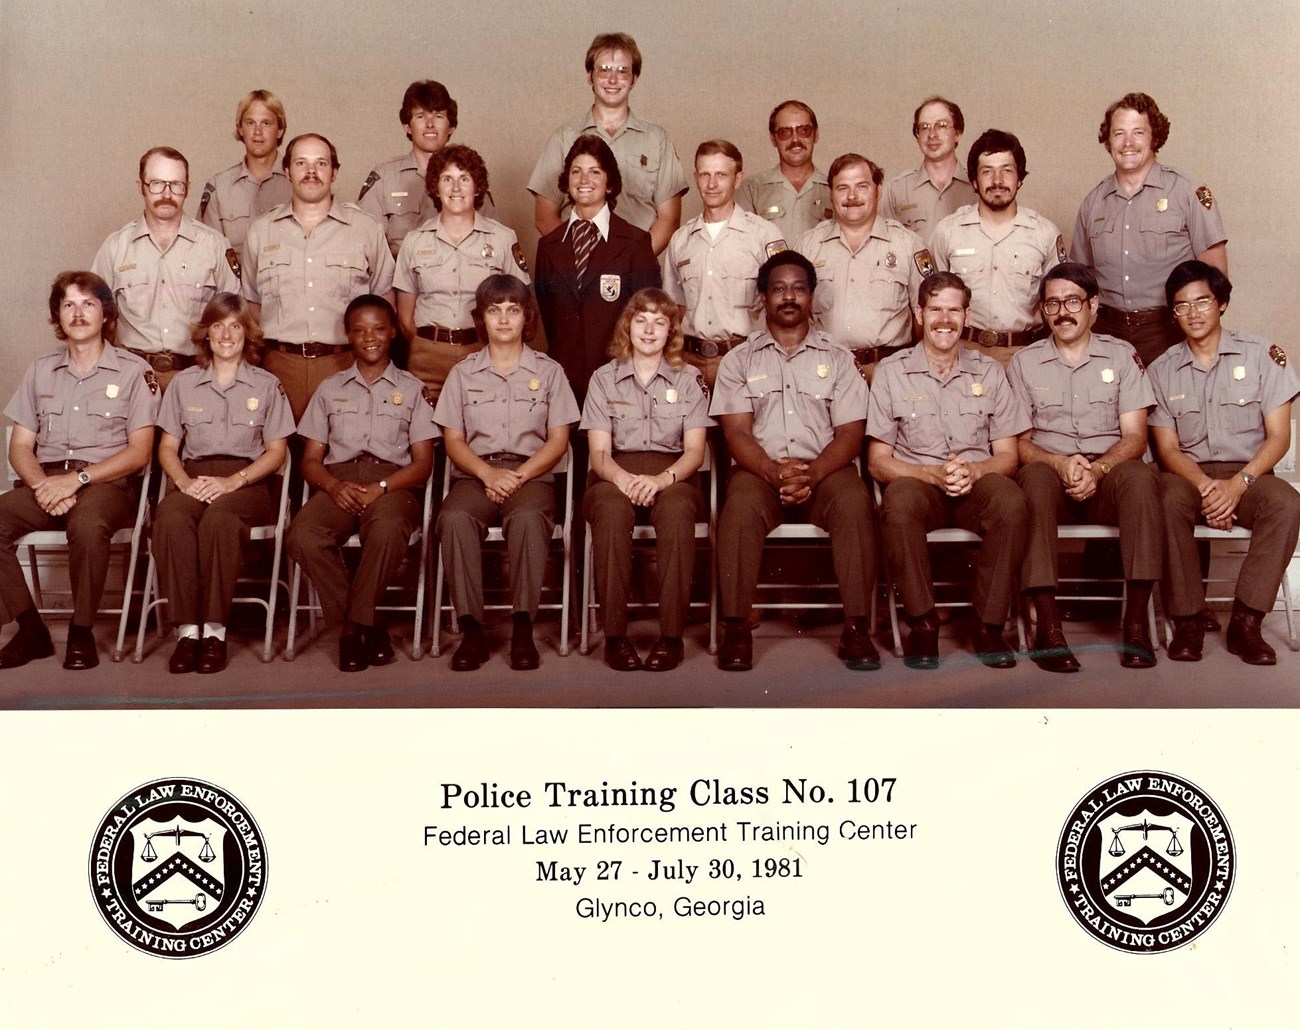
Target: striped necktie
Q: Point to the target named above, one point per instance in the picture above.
(585, 238)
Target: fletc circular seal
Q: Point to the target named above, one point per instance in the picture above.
(178, 867)
(1146, 862)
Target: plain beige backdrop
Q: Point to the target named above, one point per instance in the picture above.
(88, 85)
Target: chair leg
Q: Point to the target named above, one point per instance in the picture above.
(295, 586)
(588, 609)
(417, 640)
(892, 600)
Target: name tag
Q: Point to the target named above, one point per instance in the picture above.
(1178, 397)
(909, 207)
(127, 268)
(683, 264)
(963, 252)
(755, 379)
(267, 248)
(403, 193)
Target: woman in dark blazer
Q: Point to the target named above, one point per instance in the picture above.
(579, 313)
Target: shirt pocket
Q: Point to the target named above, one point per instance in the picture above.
(640, 175)
(666, 429)
(484, 412)
(135, 290)
(273, 269)
(627, 429)
(1050, 412)
(348, 275)
(887, 288)
(1163, 235)
(1189, 420)
(392, 425)
(245, 429)
(920, 427)
(969, 266)
(345, 421)
(973, 424)
(824, 295)
(813, 404)
(50, 424)
(1242, 411)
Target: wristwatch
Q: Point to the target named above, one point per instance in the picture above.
(83, 478)
(1105, 467)
(383, 485)
(1247, 478)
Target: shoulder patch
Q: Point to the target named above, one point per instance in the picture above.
(704, 387)
(1277, 354)
(1206, 198)
(371, 179)
(1060, 248)
(775, 247)
(232, 259)
(280, 386)
(428, 395)
(517, 252)
(1138, 361)
(151, 381)
(924, 263)
(208, 190)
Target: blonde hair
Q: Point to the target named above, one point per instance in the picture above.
(655, 300)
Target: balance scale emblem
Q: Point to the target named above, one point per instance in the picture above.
(177, 869)
(1145, 868)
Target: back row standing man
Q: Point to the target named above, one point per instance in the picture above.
(922, 197)
(795, 194)
(653, 180)
(255, 185)
(1139, 224)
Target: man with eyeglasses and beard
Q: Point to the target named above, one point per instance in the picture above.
(1081, 460)
(164, 267)
(921, 198)
(795, 194)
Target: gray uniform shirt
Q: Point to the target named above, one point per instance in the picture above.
(649, 417)
(233, 198)
(237, 420)
(769, 195)
(911, 198)
(353, 417)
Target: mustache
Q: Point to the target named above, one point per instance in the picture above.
(1066, 320)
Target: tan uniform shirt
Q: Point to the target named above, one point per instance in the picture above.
(160, 294)
(353, 417)
(1003, 275)
(84, 419)
(444, 275)
(233, 199)
(236, 421)
(394, 196)
(649, 417)
(506, 414)
(769, 195)
(1219, 412)
(865, 299)
(925, 418)
(797, 400)
(646, 160)
(911, 198)
(1135, 242)
(1076, 408)
(304, 283)
(717, 279)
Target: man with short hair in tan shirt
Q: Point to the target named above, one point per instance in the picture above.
(794, 195)
(921, 198)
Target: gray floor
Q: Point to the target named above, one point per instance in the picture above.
(793, 668)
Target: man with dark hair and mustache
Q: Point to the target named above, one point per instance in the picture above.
(1000, 249)
(164, 267)
(1082, 460)
(793, 409)
(795, 194)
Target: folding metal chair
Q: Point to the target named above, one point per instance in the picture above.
(561, 533)
(419, 540)
(273, 531)
(703, 531)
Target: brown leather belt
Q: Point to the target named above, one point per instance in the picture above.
(366, 458)
(50, 467)
(441, 334)
(866, 355)
(1134, 318)
(989, 338)
(308, 350)
(505, 456)
(164, 361)
(712, 348)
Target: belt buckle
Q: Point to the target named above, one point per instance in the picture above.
(709, 349)
(161, 362)
(988, 338)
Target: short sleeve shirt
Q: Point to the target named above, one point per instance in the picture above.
(506, 414)
(796, 399)
(160, 294)
(865, 299)
(653, 416)
(86, 419)
(1135, 242)
(1219, 412)
(394, 196)
(769, 195)
(717, 279)
(911, 198)
(353, 417)
(924, 418)
(1076, 408)
(304, 283)
(444, 275)
(233, 198)
(651, 172)
(1003, 275)
(237, 420)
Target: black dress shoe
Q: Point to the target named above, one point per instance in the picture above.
(186, 656)
(620, 655)
(379, 645)
(1208, 621)
(523, 652)
(857, 652)
(1051, 653)
(212, 655)
(1244, 638)
(1188, 640)
(82, 652)
(473, 649)
(737, 651)
(665, 655)
(352, 652)
(992, 649)
(921, 649)
(26, 646)
(1138, 652)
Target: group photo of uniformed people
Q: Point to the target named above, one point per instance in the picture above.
(872, 361)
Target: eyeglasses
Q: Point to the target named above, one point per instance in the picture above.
(1201, 304)
(940, 128)
(613, 71)
(1073, 305)
(158, 186)
(785, 133)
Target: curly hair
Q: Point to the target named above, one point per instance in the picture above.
(1142, 104)
(658, 302)
(464, 158)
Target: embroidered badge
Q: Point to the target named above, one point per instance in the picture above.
(151, 380)
(924, 263)
(397, 398)
(251, 404)
(611, 286)
(1162, 204)
(704, 387)
(1107, 375)
(1277, 354)
(517, 252)
(207, 199)
(232, 259)
(112, 390)
(644, 161)
(1060, 249)
(1239, 372)
(371, 179)
(1206, 198)
(670, 395)
(775, 247)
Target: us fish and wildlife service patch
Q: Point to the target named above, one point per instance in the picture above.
(924, 263)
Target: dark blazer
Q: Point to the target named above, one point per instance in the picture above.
(580, 323)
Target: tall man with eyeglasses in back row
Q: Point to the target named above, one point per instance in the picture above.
(795, 195)
(924, 196)
(164, 267)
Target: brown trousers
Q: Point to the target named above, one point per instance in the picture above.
(300, 376)
(431, 362)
